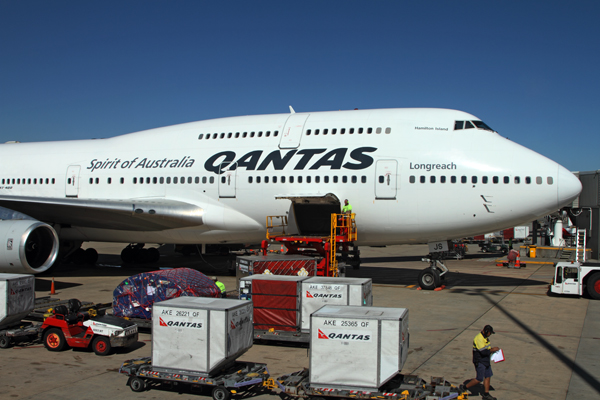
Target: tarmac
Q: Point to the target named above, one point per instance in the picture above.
(550, 343)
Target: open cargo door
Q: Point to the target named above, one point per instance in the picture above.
(312, 212)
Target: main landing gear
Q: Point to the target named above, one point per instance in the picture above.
(433, 276)
(136, 253)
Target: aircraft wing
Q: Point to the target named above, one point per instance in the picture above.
(153, 214)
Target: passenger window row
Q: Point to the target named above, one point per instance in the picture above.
(307, 179)
(484, 179)
(159, 180)
(28, 181)
(236, 135)
(343, 131)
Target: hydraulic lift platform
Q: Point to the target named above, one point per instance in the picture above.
(342, 235)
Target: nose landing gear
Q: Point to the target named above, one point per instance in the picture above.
(433, 276)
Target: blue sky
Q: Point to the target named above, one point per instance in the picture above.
(92, 69)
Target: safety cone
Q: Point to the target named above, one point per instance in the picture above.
(518, 262)
(52, 291)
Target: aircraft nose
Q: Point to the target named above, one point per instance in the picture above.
(569, 187)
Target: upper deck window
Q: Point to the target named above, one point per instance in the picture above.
(458, 125)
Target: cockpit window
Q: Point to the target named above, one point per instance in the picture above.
(458, 125)
(482, 125)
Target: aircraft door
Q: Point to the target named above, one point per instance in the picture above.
(227, 180)
(72, 181)
(386, 177)
(291, 133)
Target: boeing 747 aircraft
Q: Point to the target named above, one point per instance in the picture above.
(412, 176)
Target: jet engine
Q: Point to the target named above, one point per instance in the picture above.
(27, 246)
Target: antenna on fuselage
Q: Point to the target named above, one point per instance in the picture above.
(292, 110)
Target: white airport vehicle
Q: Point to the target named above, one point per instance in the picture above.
(416, 175)
(574, 277)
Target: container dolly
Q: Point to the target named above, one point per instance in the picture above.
(400, 387)
(235, 378)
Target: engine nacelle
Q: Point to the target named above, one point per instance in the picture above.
(27, 246)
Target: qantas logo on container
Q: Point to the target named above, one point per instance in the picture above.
(357, 337)
(240, 323)
(314, 295)
(14, 292)
(181, 324)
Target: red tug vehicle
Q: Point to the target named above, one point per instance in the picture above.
(67, 327)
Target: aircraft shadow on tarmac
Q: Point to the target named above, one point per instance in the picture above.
(560, 356)
(387, 259)
(111, 265)
(408, 276)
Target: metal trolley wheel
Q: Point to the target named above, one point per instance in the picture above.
(5, 342)
(137, 384)
(220, 393)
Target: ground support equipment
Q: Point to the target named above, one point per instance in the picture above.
(343, 234)
(401, 387)
(21, 332)
(283, 336)
(488, 247)
(68, 327)
(27, 332)
(43, 304)
(239, 377)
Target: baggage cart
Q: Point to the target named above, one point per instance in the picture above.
(235, 378)
(401, 387)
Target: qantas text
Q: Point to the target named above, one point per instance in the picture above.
(349, 336)
(254, 160)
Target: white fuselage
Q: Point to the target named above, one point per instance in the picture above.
(391, 168)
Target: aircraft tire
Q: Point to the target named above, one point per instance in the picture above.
(593, 286)
(429, 279)
(78, 256)
(91, 256)
(128, 255)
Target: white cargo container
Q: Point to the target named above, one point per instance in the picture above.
(354, 347)
(17, 297)
(521, 232)
(200, 334)
(321, 290)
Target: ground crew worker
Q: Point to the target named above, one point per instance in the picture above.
(347, 209)
(220, 285)
(481, 359)
(343, 221)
